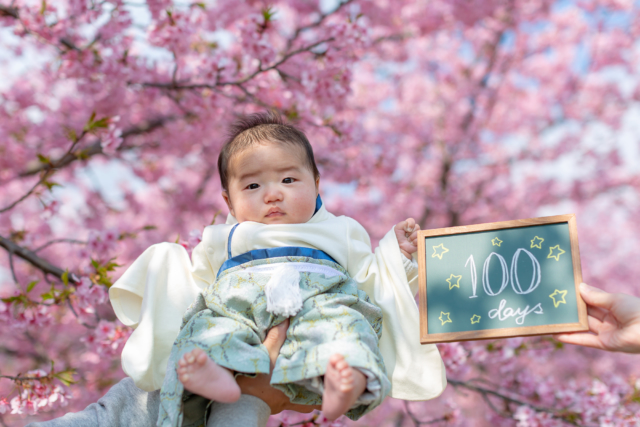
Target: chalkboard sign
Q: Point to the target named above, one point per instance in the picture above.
(503, 279)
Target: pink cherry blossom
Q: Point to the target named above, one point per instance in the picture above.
(112, 116)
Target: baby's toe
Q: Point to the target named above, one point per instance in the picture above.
(342, 365)
(201, 357)
(335, 358)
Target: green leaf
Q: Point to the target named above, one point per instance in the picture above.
(110, 266)
(71, 135)
(11, 299)
(47, 295)
(31, 285)
(43, 7)
(65, 277)
(292, 113)
(170, 15)
(93, 123)
(50, 184)
(82, 154)
(177, 239)
(102, 123)
(66, 376)
(44, 159)
(268, 13)
(201, 5)
(149, 227)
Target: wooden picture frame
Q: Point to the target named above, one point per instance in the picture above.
(581, 325)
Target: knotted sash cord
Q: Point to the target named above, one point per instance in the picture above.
(283, 288)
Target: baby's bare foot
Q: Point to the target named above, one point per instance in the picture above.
(201, 375)
(342, 387)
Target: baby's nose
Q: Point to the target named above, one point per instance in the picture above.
(273, 194)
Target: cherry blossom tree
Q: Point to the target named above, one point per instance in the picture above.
(112, 114)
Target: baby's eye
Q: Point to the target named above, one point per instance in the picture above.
(252, 186)
(288, 180)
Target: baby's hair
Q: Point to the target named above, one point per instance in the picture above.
(256, 128)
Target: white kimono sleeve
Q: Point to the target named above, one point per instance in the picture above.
(151, 296)
(416, 371)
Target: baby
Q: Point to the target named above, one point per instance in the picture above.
(276, 182)
(281, 254)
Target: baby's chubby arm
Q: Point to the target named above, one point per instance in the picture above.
(407, 234)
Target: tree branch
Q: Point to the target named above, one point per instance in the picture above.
(51, 242)
(33, 259)
(485, 392)
(238, 83)
(44, 177)
(8, 11)
(317, 23)
(96, 147)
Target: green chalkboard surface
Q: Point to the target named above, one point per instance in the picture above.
(503, 279)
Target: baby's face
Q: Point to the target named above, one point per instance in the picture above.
(271, 184)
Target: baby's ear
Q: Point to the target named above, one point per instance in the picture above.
(227, 199)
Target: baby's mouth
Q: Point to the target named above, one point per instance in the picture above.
(274, 214)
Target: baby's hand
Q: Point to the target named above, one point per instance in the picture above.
(407, 234)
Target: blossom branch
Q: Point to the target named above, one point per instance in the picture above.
(82, 322)
(44, 177)
(13, 12)
(317, 23)
(485, 392)
(51, 242)
(8, 11)
(96, 147)
(33, 259)
(237, 83)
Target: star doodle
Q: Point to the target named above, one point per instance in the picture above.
(475, 319)
(560, 295)
(557, 255)
(536, 242)
(447, 320)
(435, 251)
(457, 282)
(496, 242)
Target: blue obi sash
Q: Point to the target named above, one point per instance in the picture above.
(257, 254)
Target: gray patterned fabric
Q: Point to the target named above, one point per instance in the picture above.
(230, 321)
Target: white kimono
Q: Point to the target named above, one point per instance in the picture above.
(153, 294)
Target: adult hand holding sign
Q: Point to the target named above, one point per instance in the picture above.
(614, 321)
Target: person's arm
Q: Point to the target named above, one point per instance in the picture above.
(123, 405)
(614, 321)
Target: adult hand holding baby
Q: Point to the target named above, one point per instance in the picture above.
(407, 234)
(614, 321)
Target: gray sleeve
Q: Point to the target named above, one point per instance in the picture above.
(248, 411)
(123, 405)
